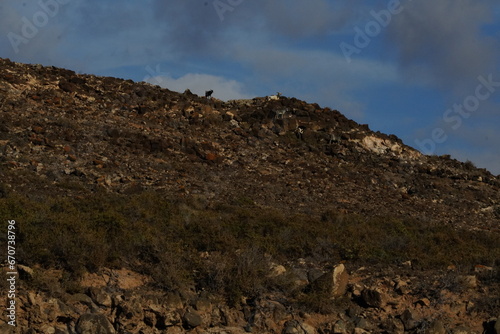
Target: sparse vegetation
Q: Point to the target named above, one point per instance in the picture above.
(164, 238)
(469, 165)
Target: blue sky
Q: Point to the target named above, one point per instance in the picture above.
(413, 60)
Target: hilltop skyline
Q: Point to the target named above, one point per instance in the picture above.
(426, 71)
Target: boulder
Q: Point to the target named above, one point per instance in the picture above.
(54, 330)
(408, 319)
(276, 270)
(25, 272)
(333, 282)
(100, 297)
(82, 303)
(300, 276)
(173, 301)
(297, 327)
(191, 319)
(482, 269)
(91, 323)
(423, 302)
(394, 325)
(364, 324)
(436, 327)
(203, 305)
(402, 288)
(313, 274)
(373, 298)
(462, 330)
(48, 330)
(340, 327)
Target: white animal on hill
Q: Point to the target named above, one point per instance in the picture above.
(274, 97)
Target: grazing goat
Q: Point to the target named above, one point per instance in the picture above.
(332, 137)
(280, 114)
(208, 93)
(299, 131)
(274, 97)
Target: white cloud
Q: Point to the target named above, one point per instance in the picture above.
(224, 89)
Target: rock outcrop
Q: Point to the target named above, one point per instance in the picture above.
(379, 308)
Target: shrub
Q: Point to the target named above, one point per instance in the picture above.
(163, 236)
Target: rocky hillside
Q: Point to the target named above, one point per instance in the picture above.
(63, 129)
(66, 138)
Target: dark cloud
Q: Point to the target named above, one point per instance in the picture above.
(103, 19)
(198, 26)
(128, 30)
(298, 18)
(444, 38)
(189, 27)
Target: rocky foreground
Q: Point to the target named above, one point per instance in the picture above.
(119, 301)
(70, 136)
